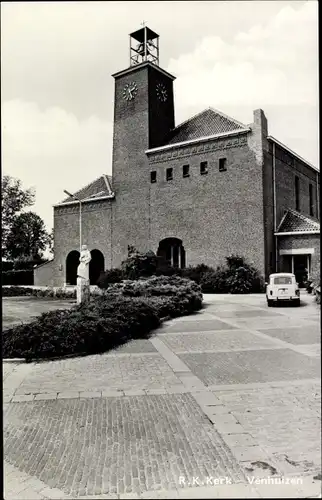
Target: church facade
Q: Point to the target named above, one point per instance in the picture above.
(194, 193)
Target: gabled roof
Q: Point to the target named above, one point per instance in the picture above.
(295, 222)
(102, 186)
(207, 123)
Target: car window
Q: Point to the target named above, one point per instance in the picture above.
(283, 280)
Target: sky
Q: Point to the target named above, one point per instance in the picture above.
(57, 59)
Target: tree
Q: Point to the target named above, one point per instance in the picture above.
(27, 237)
(13, 199)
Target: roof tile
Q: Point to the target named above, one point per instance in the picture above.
(294, 221)
(94, 189)
(208, 122)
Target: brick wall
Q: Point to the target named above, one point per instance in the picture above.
(96, 233)
(44, 274)
(301, 241)
(287, 167)
(215, 214)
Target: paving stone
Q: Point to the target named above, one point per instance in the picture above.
(135, 392)
(279, 321)
(251, 366)
(196, 326)
(247, 313)
(296, 335)
(247, 453)
(137, 434)
(28, 494)
(177, 389)
(52, 493)
(155, 391)
(135, 346)
(68, 394)
(278, 490)
(90, 394)
(221, 341)
(22, 398)
(224, 428)
(220, 491)
(41, 396)
(206, 398)
(239, 440)
(112, 394)
(103, 373)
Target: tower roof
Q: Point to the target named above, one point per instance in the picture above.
(139, 34)
(207, 123)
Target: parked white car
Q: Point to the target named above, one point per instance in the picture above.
(282, 287)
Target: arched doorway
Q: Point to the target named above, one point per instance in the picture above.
(173, 252)
(96, 266)
(72, 262)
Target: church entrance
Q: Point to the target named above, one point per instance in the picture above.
(72, 262)
(96, 266)
(173, 252)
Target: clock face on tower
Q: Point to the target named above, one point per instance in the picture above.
(130, 91)
(161, 92)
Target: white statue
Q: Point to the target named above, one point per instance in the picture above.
(84, 260)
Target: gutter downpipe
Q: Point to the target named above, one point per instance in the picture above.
(274, 197)
(317, 197)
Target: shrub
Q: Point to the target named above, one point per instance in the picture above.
(196, 273)
(6, 265)
(215, 281)
(91, 329)
(59, 293)
(21, 277)
(24, 263)
(139, 264)
(16, 291)
(107, 321)
(113, 275)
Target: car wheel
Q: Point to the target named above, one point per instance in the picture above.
(269, 303)
(297, 302)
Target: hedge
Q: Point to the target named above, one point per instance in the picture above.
(20, 291)
(108, 320)
(237, 276)
(20, 277)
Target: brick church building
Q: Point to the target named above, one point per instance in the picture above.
(195, 192)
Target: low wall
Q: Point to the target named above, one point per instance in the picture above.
(43, 274)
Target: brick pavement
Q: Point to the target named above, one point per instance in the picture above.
(209, 396)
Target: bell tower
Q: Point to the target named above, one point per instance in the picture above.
(143, 118)
(144, 46)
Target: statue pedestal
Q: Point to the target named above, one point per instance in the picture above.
(83, 291)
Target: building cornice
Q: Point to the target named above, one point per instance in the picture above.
(199, 139)
(137, 67)
(296, 233)
(271, 138)
(86, 200)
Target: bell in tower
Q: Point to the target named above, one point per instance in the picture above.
(144, 46)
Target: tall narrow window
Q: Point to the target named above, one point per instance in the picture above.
(153, 176)
(204, 167)
(222, 164)
(169, 174)
(185, 171)
(311, 200)
(297, 193)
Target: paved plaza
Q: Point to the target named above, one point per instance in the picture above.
(225, 403)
